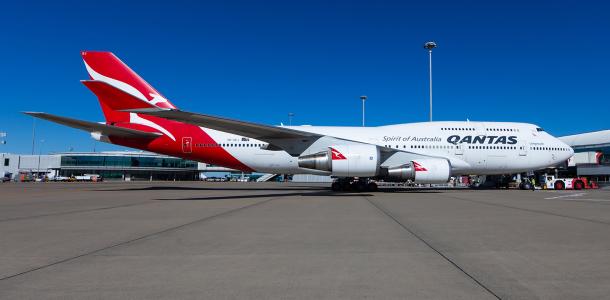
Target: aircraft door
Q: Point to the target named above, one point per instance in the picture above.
(459, 148)
(522, 148)
(187, 144)
(480, 129)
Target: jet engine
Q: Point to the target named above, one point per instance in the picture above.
(344, 160)
(425, 170)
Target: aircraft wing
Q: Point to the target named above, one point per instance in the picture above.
(105, 129)
(254, 130)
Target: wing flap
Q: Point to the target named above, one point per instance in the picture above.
(105, 129)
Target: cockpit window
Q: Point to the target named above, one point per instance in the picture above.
(539, 129)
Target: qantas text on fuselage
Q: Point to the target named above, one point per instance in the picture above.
(456, 139)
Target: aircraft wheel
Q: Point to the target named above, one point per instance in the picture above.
(356, 186)
(559, 185)
(371, 187)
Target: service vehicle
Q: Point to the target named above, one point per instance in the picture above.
(575, 183)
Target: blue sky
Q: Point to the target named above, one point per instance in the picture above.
(540, 62)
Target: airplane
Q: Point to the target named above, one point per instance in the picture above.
(138, 116)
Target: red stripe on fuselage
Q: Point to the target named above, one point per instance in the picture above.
(165, 145)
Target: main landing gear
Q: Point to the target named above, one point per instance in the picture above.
(353, 185)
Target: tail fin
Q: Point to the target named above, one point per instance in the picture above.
(108, 72)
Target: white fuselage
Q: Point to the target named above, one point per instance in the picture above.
(478, 148)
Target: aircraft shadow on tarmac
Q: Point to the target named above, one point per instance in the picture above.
(272, 196)
(291, 191)
(312, 194)
(325, 190)
(186, 188)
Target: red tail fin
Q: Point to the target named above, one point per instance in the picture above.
(107, 68)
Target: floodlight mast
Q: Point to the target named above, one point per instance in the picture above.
(290, 115)
(430, 45)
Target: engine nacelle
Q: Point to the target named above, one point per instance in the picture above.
(344, 160)
(425, 170)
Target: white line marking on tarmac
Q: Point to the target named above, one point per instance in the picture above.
(566, 196)
(575, 197)
(583, 199)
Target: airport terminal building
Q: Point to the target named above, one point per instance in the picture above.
(114, 165)
(592, 154)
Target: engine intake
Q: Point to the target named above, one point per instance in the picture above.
(317, 161)
(402, 172)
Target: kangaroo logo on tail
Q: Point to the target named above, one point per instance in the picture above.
(135, 119)
(104, 66)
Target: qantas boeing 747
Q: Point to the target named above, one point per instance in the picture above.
(138, 116)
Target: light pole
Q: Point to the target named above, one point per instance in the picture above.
(290, 115)
(39, 154)
(430, 46)
(363, 98)
(33, 133)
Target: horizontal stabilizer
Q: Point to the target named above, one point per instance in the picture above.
(108, 130)
(115, 98)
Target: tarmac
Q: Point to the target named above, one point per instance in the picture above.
(197, 240)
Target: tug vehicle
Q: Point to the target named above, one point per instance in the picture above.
(576, 183)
